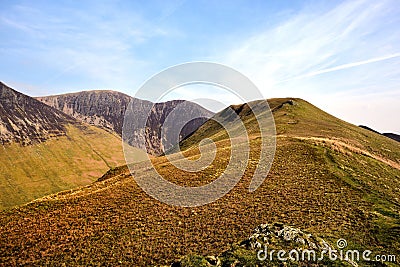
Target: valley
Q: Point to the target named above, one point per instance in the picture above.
(70, 140)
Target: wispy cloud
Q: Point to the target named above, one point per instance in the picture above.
(317, 52)
(343, 67)
(313, 40)
(96, 49)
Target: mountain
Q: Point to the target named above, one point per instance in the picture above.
(51, 147)
(106, 109)
(393, 136)
(47, 151)
(99, 107)
(369, 129)
(25, 120)
(328, 177)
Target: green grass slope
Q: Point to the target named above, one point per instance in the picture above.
(328, 177)
(65, 162)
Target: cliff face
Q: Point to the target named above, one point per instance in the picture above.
(25, 120)
(187, 110)
(106, 109)
(100, 108)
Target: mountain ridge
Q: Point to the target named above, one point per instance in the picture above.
(393, 136)
(26, 120)
(106, 109)
(46, 151)
(50, 148)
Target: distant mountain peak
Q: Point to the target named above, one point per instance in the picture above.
(393, 136)
(106, 109)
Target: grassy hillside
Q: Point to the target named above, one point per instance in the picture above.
(79, 158)
(328, 177)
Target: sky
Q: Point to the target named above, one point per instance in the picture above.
(342, 56)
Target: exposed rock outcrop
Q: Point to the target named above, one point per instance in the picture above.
(26, 120)
(100, 108)
(106, 109)
(262, 247)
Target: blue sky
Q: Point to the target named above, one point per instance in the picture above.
(343, 56)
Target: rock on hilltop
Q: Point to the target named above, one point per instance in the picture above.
(269, 238)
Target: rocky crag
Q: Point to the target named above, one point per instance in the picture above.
(262, 247)
(25, 120)
(106, 109)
